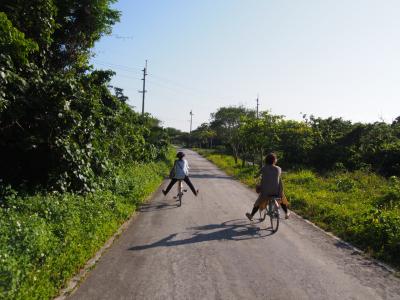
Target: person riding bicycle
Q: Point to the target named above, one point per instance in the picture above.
(271, 185)
(180, 171)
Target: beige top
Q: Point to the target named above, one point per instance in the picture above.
(271, 182)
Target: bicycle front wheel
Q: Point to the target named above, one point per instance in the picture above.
(274, 222)
(179, 199)
(274, 218)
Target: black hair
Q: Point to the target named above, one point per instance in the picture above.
(271, 158)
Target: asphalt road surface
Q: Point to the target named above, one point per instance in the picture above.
(207, 249)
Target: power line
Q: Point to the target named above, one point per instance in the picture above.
(129, 77)
(162, 80)
(122, 37)
(127, 68)
(169, 84)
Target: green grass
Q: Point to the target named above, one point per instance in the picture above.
(46, 238)
(362, 208)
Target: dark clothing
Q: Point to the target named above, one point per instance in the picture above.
(186, 179)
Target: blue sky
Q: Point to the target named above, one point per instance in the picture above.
(328, 58)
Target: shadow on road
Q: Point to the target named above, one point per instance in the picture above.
(233, 230)
(194, 175)
(154, 206)
(203, 170)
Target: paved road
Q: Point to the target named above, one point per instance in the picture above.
(206, 249)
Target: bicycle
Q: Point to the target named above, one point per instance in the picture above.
(181, 190)
(272, 210)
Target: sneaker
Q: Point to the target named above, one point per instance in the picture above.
(197, 193)
(164, 192)
(287, 215)
(249, 216)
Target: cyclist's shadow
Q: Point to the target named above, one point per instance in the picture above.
(233, 230)
(156, 206)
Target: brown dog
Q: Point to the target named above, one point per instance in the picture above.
(262, 204)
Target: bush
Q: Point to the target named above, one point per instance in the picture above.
(345, 184)
(390, 199)
(303, 177)
(47, 237)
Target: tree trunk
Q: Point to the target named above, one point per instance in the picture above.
(261, 158)
(235, 155)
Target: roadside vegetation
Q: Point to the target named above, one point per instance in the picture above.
(360, 207)
(75, 158)
(343, 176)
(46, 237)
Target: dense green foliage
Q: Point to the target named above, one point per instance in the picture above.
(316, 143)
(60, 125)
(360, 207)
(45, 238)
(75, 159)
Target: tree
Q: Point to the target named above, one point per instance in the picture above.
(326, 134)
(60, 125)
(204, 135)
(65, 30)
(295, 142)
(260, 135)
(319, 143)
(225, 122)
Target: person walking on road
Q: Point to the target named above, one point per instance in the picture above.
(271, 186)
(180, 171)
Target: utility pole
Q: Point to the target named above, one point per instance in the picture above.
(191, 120)
(190, 132)
(143, 91)
(257, 106)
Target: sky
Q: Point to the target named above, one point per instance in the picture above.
(338, 58)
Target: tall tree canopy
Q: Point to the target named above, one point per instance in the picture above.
(226, 121)
(60, 126)
(65, 30)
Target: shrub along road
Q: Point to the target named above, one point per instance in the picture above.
(207, 249)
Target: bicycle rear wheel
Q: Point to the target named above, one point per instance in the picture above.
(180, 193)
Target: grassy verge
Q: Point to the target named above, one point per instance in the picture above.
(46, 238)
(362, 208)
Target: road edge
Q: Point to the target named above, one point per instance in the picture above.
(78, 278)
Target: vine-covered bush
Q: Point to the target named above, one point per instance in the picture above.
(61, 128)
